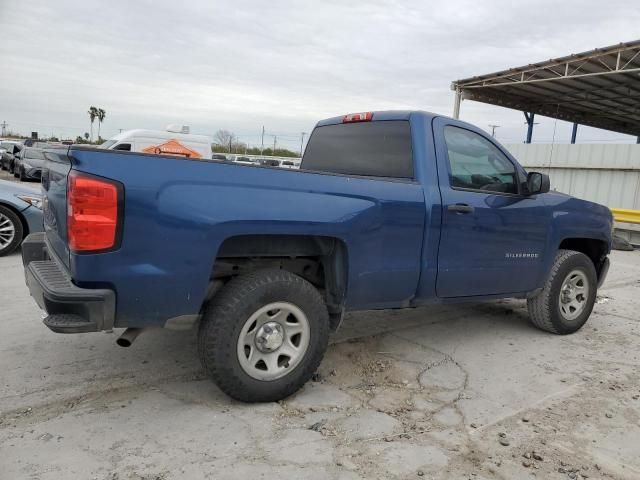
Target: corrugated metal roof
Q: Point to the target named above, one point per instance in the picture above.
(599, 88)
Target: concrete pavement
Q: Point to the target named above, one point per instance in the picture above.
(452, 392)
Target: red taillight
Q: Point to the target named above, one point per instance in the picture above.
(357, 117)
(92, 213)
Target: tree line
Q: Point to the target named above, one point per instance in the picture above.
(225, 141)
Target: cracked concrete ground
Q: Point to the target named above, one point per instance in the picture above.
(452, 392)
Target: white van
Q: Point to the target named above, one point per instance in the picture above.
(176, 140)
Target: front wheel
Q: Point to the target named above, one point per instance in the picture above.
(568, 296)
(264, 335)
(10, 231)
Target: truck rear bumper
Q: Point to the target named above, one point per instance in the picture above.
(70, 309)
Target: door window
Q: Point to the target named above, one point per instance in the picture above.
(477, 164)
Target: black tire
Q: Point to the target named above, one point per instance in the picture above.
(226, 316)
(544, 309)
(10, 215)
(21, 175)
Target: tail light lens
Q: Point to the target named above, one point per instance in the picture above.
(93, 211)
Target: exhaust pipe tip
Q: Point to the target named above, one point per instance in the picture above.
(128, 337)
(124, 342)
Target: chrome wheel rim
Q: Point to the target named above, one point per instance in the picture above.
(273, 341)
(7, 231)
(574, 294)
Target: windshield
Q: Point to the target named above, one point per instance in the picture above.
(107, 144)
(34, 153)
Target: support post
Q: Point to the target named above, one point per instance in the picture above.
(638, 139)
(529, 117)
(456, 104)
(574, 132)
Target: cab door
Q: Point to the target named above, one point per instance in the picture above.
(493, 234)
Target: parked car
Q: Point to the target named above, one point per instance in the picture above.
(11, 148)
(269, 162)
(389, 210)
(288, 164)
(244, 160)
(20, 214)
(29, 163)
(219, 156)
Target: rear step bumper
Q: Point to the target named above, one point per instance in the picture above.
(70, 309)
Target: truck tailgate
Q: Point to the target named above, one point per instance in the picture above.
(54, 186)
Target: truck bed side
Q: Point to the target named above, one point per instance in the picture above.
(178, 212)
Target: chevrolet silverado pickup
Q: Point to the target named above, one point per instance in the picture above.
(392, 209)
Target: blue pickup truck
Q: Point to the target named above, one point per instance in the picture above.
(389, 210)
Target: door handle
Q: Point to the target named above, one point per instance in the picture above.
(461, 208)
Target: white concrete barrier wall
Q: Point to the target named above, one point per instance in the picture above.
(605, 173)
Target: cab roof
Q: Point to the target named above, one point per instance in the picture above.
(380, 115)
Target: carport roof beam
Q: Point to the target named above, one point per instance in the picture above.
(599, 88)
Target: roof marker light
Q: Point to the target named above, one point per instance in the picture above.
(357, 117)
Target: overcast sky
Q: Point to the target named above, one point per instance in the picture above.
(282, 64)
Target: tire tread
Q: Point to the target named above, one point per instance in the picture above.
(540, 306)
(220, 319)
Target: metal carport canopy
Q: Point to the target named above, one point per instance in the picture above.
(599, 88)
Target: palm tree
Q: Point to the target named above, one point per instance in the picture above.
(93, 113)
(86, 135)
(101, 115)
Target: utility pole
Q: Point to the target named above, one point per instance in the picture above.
(275, 140)
(493, 130)
(230, 140)
(262, 144)
(4, 127)
(302, 142)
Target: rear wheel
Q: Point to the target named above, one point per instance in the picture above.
(22, 175)
(264, 335)
(10, 231)
(567, 299)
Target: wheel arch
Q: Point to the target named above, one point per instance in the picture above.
(322, 260)
(593, 248)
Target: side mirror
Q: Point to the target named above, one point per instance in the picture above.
(538, 183)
